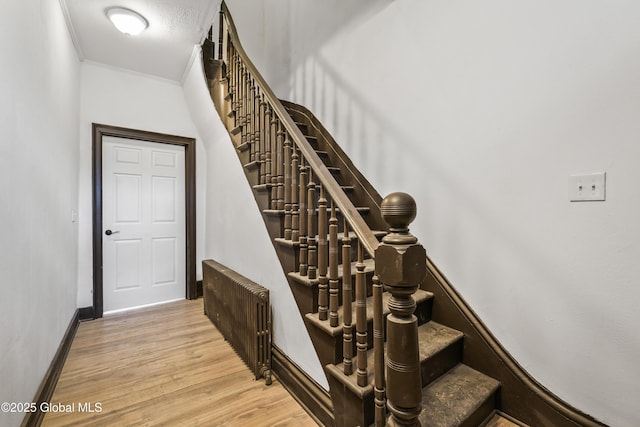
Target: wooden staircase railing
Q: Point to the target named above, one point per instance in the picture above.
(321, 222)
(281, 138)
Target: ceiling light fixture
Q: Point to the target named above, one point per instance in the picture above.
(127, 21)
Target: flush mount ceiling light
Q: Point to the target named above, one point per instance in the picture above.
(127, 21)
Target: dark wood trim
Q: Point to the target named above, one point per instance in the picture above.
(48, 384)
(313, 398)
(199, 291)
(86, 313)
(98, 132)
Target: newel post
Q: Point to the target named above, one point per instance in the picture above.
(401, 267)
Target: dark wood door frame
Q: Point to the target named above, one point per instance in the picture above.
(98, 132)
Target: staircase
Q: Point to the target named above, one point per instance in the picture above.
(360, 279)
(329, 227)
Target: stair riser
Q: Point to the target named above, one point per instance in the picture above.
(477, 418)
(274, 225)
(441, 362)
(330, 348)
(350, 410)
(482, 413)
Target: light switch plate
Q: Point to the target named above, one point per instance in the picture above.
(589, 187)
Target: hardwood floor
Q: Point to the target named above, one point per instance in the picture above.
(164, 365)
(498, 421)
(167, 365)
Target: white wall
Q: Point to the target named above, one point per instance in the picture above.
(482, 111)
(39, 99)
(235, 233)
(267, 45)
(122, 98)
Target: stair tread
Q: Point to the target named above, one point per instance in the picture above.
(419, 296)
(433, 337)
(263, 187)
(252, 165)
(369, 266)
(455, 396)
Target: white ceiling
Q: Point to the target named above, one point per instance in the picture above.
(164, 49)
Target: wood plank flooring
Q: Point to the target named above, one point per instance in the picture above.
(164, 365)
(499, 421)
(167, 365)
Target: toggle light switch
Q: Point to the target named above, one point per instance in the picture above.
(591, 187)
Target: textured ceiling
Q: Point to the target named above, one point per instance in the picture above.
(164, 49)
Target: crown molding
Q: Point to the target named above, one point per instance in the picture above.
(71, 29)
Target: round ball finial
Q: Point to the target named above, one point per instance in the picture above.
(398, 210)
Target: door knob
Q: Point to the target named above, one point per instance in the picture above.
(109, 232)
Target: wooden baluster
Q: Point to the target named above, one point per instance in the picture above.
(323, 288)
(221, 22)
(255, 122)
(249, 120)
(242, 110)
(289, 175)
(232, 75)
(235, 103)
(245, 101)
(361, 319)
(263, 137)
(245, 109)
(238, 91)
(347, 328)
(274, 160)
(231, 61)
(312, 257)
(401, 266)
(378, 355)
(251, 96)
(294, 232)
(259, 115)
(280, 167)
(303, 219)
(267, 144)
(333, 267)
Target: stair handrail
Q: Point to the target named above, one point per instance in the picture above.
(358, 224)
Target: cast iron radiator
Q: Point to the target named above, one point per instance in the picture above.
(240, 309)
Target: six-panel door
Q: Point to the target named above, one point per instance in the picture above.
(143, 217)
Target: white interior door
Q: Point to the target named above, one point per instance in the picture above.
(143, 217)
